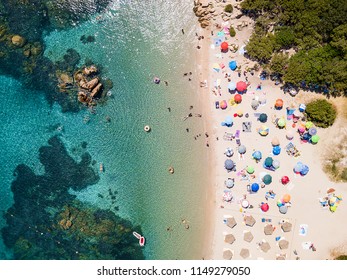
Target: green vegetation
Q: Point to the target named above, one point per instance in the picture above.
(321, 112)
(315, 29)
(279, 63)
(342, 257)
(232, 31)
(228, 8)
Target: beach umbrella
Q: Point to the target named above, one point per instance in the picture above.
(229, 183)
(255, 104)
(244, 203)
(228, 121)
(248, 236)
(227, 196)
(231, 222)
(249, 221)
(262, 100)
(286, 198)
(302, 107)
(227, 254)
(257, 155)
(268, 162)
(255, 187)
(238, 98)
(330, 190)
(229, 152)
(229, 164)
(229, 238)
(290, 134)
(268, 229)
(315, 139)
(275, 141)
(231, 86)
(233, 65)
(281, 122)
(276, 164)
(312, 131)
(244, 253)
(333, 208)
(279, 103)
(240, 113)
(265, 246)
(264, 207)
(297, 114)
(263, 118)
(283, 209)
(285, 180)
(286, 227)
(241, 86)
(224, 46)
(283, 244)
(242, 149)
(217, 41)
(298, 167)
(306, 136)
(304, 170)
(263, 130)
(223, 104)
(250, 169)
(276, 150)
(308, 125)
(301, 129)
(281, 257)
(216, 67)
(267, 179)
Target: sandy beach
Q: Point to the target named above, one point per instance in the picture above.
(315, 232)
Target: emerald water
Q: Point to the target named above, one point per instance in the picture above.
(134, 41)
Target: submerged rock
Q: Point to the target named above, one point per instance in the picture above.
(18, 41)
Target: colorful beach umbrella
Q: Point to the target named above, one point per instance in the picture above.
(285, 180)
(250, 169)
(224, 46)
(315, 139)
(286, 198)
(276, 164)
(233, 65)
(279, 103)
(301, 129)
(216, 67)
(223, 104)
(276, 150)
(255, 187)
(308, 125)
(264, 207)
(267, 179)
(302, 107)
(227, 196)
(242, 149)
(231, 86)
(263, 130)
(241, 86)
(262, 118)
(238, 98)
(312, 131)
(268, 162)
(257, 155)
(281, 122)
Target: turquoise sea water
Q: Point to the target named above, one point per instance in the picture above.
(135, 41)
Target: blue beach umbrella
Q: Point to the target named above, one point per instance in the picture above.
(257, 155)
(304, 170)
(276, 150)
(228, 121)
(232, 65)
(298, 167)
(220, 34)
(255, 187)
(231, 86)
(229, 164)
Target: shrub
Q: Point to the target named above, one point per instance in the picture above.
(321, 112)
(342, 257)
(232, 31)
(228, 8)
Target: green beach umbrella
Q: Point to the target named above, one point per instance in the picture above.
(308, 125)
(281, 122)
(268, 162)
(250, 169)
(315, 139)
(267, 179)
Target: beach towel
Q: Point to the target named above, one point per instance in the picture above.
(237, 134)
(306, 245)
(247, 126)
(303, 229)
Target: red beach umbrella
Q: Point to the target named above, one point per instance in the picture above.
(224, 46)
(285, 180)
(264, 207)
(238, 98)
(241, 86)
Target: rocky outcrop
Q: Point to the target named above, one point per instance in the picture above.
(18, 41)
(205, 11)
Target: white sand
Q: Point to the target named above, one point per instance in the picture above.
(325, 229)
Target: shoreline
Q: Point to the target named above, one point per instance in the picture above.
(307, 189)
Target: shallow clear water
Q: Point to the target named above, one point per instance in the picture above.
(135, 40)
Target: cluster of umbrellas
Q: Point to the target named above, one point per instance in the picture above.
(309, 133)
(271, 164)
(301, 169)
(282, 203)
